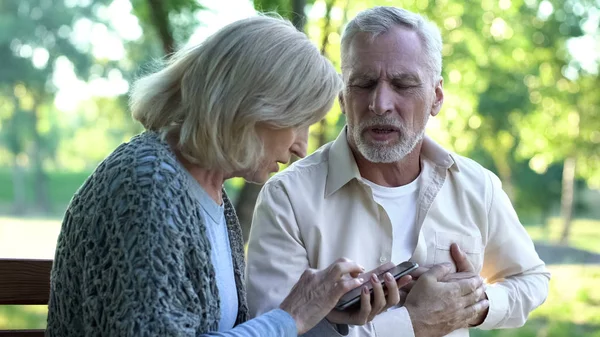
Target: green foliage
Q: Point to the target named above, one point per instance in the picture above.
(178, 16)
(23, 316)
(585, 233)
(61, 187)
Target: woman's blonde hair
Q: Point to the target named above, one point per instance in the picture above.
(212, 96)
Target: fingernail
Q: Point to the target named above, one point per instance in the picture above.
(374, 278)
(361, 267)
(365, 290)
(361, 280)
(388, 277)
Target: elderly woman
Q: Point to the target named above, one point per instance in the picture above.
(150, 244)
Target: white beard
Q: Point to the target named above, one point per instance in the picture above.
(379, 152)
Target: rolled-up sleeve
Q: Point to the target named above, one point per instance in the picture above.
(517, 277)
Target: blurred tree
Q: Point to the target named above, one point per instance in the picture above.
(563, 124)
(34, 36)
(170, 23)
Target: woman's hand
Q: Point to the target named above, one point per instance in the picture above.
(381, 301)
(318, 291)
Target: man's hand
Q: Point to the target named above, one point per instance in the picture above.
(437, 308)
(380, 301)
(464, 269)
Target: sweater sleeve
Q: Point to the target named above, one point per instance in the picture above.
(275, 323)
(137, 279)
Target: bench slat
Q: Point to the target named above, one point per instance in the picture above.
(24, 281)
(22, 333)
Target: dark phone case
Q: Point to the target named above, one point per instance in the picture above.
(398, 271)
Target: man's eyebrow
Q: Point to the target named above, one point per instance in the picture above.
(406, 77)
(361, 76)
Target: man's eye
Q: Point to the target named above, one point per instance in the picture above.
(402, 86)
(363, 85)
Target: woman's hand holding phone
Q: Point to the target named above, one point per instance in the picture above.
(380, 301)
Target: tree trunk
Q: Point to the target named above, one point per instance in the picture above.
(298, 14)
(322, 139)
(19, 187)
(567, 198)
(161, 23)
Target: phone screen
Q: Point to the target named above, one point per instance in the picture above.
(352, 297)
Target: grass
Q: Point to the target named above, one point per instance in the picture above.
(585, 233)
(23, 316)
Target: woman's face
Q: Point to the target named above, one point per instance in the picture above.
(279, 145)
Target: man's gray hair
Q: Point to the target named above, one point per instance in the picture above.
(379, 20)
(212, 96)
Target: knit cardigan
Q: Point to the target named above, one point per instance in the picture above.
(133, 258)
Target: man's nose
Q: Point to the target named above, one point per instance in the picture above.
(382, 99)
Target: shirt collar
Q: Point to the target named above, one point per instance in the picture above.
(342, 168)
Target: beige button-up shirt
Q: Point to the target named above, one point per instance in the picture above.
(320, 209)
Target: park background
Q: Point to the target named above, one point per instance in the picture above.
(522, 96)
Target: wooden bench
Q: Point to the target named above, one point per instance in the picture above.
(24, 282)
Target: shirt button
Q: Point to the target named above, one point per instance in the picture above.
(382, 259)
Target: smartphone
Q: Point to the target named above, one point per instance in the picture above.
(352, 298)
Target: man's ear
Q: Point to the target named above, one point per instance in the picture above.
(341, 99)
(439, 97)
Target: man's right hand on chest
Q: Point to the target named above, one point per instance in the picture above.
(437, 308)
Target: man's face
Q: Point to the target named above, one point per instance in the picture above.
(389, 94)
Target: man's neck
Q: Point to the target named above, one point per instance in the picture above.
(394, 174)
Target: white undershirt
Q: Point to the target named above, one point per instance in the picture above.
(400, 204)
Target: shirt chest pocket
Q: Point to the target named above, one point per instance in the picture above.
(471, 245)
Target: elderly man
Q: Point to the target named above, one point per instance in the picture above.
(385, 192)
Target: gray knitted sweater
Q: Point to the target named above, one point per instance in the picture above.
(132, 257)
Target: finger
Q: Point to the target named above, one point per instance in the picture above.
(407, 288)
(365, 307)
(403, 295)
(458, 276)
(345, 286)
(469, 285)
(341, 267)
(403, 281)
(471, 312)
(472, 298)
(393, 294)
(418, 272)
(438, 271)
(379, 301)
(378, 271)
(460, 259)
